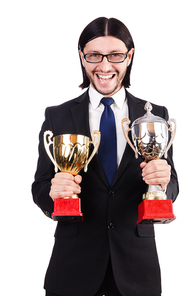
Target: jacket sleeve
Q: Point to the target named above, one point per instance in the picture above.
(173, 187)
(44, 173)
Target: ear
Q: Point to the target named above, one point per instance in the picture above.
(82, 58)
(129, 55)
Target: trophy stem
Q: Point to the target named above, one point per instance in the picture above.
(74, 196)
(154, 192)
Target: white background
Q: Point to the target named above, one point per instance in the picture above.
(39, 67)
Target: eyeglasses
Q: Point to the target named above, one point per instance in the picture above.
(112, 57)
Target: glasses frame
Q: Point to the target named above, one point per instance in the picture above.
(107, 56)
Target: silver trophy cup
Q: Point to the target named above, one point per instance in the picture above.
(150, 135)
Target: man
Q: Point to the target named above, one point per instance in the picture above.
(107, 253)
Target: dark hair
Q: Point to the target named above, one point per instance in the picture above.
(106, 27)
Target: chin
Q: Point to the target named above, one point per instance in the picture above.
(107, 92)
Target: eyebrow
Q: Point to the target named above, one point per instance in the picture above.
(113, 51)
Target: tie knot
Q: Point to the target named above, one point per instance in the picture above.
(107, 101)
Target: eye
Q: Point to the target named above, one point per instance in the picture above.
(93, 55)
(116, 54)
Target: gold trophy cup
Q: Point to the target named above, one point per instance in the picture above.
(71, 155)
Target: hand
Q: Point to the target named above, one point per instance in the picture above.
(156, 172)
(65, 185)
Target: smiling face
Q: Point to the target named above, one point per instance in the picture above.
(106, 77)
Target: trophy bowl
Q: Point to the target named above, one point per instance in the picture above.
(71, 155)
(150, 137)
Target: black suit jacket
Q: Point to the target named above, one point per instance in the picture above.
(82, 249)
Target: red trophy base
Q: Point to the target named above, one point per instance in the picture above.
(67, 209)
(155, 212)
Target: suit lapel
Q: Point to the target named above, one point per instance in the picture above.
(136, 109)
(80, 114)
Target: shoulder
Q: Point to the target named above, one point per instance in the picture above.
(61, 119)
(157, 109)
(58, 109)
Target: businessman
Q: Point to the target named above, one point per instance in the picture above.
(107, 253)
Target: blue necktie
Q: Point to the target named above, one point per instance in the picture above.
(108, 147)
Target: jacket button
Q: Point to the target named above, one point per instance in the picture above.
(111, 193)
(110, 226)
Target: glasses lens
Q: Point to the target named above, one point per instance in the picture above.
(93, 57)
(116, 57)
(97, 58)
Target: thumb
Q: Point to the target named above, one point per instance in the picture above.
(78, 179)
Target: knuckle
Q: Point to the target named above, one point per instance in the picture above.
(155, 166)
(68, 176)
(66, 184)
(157, 180)
(51, 194)
(60, 194)
(63, 188)
(57, 175)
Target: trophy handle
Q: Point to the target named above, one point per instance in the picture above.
(125, 132)
(47, 143)
(173, 133)
(96, 146)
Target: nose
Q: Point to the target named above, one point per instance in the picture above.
(105, 65)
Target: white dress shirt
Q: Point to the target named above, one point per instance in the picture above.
(120, 109)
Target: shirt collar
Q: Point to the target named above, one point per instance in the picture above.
(95, 97)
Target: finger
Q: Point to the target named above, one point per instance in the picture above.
(157, 171)
(66, 187)
(157, 179)
(56, 194)
(156, 166)
(143, 164)
(62, 180)
(156, 163)
(65, 178)
(62, 176)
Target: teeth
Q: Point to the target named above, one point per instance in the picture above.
(105, 77)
